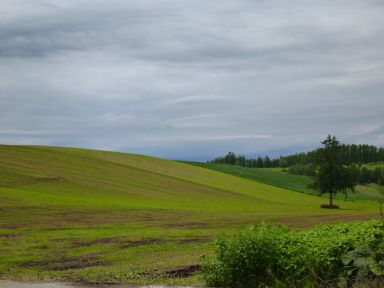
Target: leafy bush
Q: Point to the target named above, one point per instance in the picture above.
(269, 254)
(246, 259)
(365, 260)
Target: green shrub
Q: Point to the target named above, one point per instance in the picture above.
(247, 259)
(268, 254)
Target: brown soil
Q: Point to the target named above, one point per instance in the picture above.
(34, 284)
(180, 271)
(188, 224)
(103, 241)
(66, 263)
(194, 240)
(302, 222)
(133, 243)
(141, 242)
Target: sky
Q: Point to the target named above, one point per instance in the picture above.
(191, 79)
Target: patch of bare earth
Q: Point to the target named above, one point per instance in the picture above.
(303, 222)
(124, 243)
(34, 284)
(188, 224)
(48, 217)
(79, 262)
(179, 271)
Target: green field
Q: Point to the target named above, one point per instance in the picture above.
(92, 216)
(277, 177)
(271, 176)
(374, 165)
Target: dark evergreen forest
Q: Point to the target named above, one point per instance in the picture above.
(354, 155)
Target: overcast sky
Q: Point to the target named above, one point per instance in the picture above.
(191, 79)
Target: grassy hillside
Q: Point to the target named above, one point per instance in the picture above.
(374, 165)
(278, 178)
(271, 176)
(97, 216)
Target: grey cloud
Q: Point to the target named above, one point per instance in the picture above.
(188, 31)
(191, 79)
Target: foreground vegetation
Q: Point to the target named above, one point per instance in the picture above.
(325, 256)
(101, 217)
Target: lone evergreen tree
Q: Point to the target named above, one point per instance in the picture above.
(331, 174)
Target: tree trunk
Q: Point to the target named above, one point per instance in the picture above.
(330, 199)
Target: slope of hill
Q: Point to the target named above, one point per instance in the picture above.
(271, 176)
(276, 177)
(98, 216)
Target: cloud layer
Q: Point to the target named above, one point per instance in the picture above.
(190, 79)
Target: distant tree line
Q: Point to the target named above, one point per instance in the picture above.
(365, 175)
(240, 160)
(361, 153)
(361, 174)
(354, 156)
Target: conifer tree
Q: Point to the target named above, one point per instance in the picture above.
(331, 175)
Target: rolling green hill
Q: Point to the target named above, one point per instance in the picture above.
(97, 216)
(277, 177)
(271, 176)
(373, 165)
